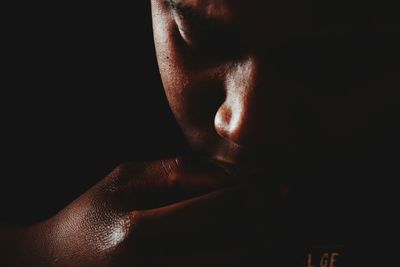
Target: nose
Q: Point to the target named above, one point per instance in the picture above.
(252, 113)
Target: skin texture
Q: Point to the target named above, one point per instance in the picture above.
(131, 215)
(262, 91)
(249, 101)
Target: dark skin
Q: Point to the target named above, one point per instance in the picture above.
(236, 79)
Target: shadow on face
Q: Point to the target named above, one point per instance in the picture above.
(248, 80)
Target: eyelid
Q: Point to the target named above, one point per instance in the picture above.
(194, 17)
(206, 37)
(177, 15)
(184, 31)
(181, 9)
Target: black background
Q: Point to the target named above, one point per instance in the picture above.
(80, 93)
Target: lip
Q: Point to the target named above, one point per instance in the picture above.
(260, 169)
(242, 161)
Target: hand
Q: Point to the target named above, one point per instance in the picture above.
(175, 212)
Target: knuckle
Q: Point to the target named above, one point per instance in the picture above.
(123, 169)
(120, 176)
(170, 168)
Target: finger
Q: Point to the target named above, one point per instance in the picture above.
(188, 216)
(206, 222)
(149, 185)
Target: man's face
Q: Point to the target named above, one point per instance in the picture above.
(254, 80)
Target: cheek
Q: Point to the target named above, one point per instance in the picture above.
(174, 76)
(194, 90)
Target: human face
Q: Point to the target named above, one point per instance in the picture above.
(250, 81)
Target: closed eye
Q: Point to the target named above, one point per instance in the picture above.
(206, 36)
